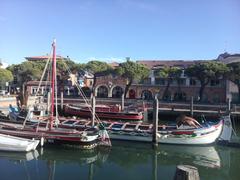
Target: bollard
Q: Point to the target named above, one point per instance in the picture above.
(61, 100)
(155, 123)
(186, 172)
(93, 109)
(191, 107)
(122, 102)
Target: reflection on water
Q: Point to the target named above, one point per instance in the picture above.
(19, 156)
(123, 161)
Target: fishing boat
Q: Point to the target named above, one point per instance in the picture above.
(11, 143)
(112, 112)
(130, 131)
(51, 132)
(207, 133)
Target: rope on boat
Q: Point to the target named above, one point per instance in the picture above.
(39, 85)
(105, 139)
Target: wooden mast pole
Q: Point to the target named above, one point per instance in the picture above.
(53, 83)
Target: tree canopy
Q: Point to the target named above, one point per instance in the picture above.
(205, 71)
(97, 66)
(169, 73)
(234, 75)
(132, 71)
(5, 76)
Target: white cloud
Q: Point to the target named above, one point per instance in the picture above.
(4, 65)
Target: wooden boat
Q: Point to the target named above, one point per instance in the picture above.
(11, 143)
(166, 134)
(112, 112)
(51, 132)
(142, 132)
(130, 131)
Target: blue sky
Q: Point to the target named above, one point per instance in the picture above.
(111, 30)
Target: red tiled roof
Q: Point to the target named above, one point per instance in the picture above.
(36, 58)
(114, 64)
(160, 63)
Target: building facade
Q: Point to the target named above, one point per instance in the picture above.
(182, 90)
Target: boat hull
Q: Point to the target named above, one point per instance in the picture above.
(143, 132)
(56, 136)
(103, 115)
(201, 136)
(12, 143)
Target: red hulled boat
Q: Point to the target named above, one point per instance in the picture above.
(113, 112)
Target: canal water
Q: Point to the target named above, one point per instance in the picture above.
(124, 160)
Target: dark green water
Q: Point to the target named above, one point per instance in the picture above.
(124, 161)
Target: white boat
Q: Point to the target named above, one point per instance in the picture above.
(51, 132)
(207, 134)
(12, 143)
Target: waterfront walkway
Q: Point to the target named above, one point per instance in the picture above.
(164, 107)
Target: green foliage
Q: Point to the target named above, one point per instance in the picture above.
(27, 71)
(234, 73)
(97, 66)
(5, 76)
(169, 72)
(205, 71)
(132, 71)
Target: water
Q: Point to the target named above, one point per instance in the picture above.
(123, 161)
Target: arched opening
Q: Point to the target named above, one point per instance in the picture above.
(146, 95)
(117, 92)
(102, 92)
(86, 91)
(132, 94)
(180, 96)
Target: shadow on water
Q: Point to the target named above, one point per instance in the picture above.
(125, 160)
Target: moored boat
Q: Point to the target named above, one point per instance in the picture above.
(132, 131)
(112, 112)
(51, 132)
(12, 143)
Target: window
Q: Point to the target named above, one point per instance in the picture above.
(182, 82)
(214, 82)
(193, 82)
(159, 81)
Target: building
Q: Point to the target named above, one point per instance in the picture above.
(66, 86)
(183, 89)
(217, 91)
(231, 88)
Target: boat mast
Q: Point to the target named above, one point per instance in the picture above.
(53, 83)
